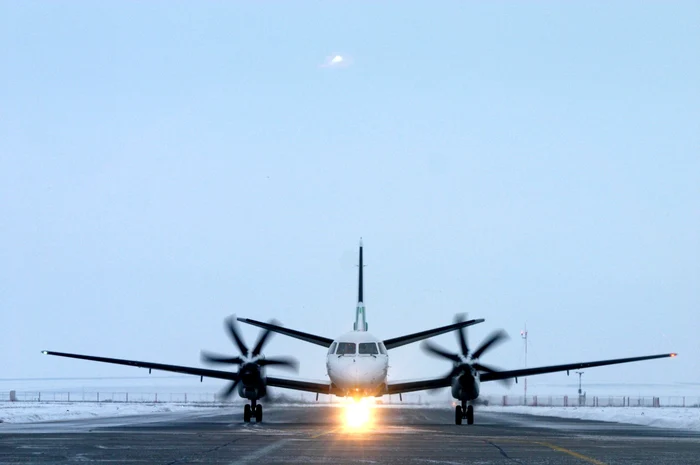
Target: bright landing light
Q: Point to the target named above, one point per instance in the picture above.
(358, 414)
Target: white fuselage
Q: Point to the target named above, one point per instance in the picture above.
(357, 365)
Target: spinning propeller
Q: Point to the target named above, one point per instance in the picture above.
(250, 361)
(466, 359)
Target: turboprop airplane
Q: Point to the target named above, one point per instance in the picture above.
(356, 363)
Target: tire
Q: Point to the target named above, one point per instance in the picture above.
(458, 415)
(470, 415)
(246, 413)
(258, 413)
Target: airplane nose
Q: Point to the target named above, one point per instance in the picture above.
(348, 376)
(356, 374)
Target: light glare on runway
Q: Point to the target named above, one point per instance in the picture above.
(358, 414)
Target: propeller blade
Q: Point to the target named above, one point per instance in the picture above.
(462, 334)
(216, 358)
(281, 362)
(439, 351)
(232, 387)
(262, 340)
(494, 338)
(506, 382)
(482, 367)
(233, 333)
(457, 370)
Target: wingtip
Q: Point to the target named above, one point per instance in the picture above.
(673, 354)
(45, 352)
(360, 241)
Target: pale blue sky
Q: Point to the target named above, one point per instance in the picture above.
(165, 164)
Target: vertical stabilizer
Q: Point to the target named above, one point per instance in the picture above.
(360, 318)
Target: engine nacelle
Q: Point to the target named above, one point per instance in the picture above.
(252, 392)
(250, 375)
(251, 386)
(465, 386)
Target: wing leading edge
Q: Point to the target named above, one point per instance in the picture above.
(154, 366)
(445, 381)
(298, 385)
(571, 366)
(419, 385)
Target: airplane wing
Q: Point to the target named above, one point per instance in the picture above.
(320, 387)
(312, 338)
(298, 385)
(419, 385)
(409, 338)
(152, 366)
(497, 375)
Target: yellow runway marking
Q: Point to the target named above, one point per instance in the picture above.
(571, 453)
(324, 433)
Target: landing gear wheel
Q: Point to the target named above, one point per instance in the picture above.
(246, 413)
(458, 415)
(470, 415)
(258, 413)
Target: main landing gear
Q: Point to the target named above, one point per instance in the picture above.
(464, 411)
(254, 409)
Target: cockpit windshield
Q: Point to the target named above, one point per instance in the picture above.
(368, 348)
(346, 348)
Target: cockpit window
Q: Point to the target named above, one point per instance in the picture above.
(346, 348)
(382, 349)
(332, 349)
(368, 348)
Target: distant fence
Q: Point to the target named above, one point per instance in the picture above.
(212, 398)
(592, 401)
(102, 396)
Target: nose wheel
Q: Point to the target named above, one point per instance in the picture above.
(464, 412)
(253, 410)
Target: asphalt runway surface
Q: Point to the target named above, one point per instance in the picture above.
(315, 435)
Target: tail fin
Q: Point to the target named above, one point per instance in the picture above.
(360, 319)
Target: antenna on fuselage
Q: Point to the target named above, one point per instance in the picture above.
(360, 319)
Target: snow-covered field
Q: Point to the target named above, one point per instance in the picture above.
(173, 388)
(669, 417)
(28, 412)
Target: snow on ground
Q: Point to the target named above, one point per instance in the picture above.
(27, 412)
(30, 412)
(665, 417)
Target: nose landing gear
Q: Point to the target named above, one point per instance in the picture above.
(254, 409)
(464, 411)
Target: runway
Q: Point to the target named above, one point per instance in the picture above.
(314, 435)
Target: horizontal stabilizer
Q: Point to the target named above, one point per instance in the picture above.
(312, 338)
(410, 338)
